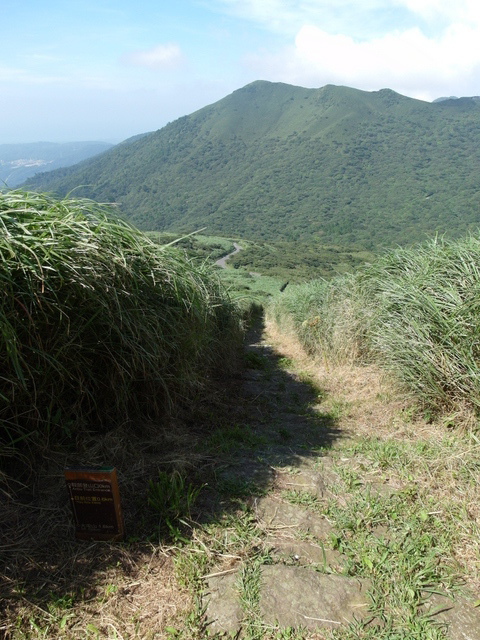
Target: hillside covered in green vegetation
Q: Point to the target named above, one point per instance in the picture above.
(277, 162)
(293, 261)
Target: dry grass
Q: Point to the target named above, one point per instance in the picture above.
(136, 597)
(370, 401)
(54, 586)
(139, 604)
(440, 459)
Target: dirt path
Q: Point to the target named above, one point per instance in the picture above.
(314, 503)
(222, 263)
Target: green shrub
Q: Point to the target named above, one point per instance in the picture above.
(413, 311)
(97, 323)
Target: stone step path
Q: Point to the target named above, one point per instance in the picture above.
(299, 575)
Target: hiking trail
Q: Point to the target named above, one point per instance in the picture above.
(298, 577)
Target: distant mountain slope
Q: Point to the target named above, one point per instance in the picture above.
(18, 162)
(273, 161)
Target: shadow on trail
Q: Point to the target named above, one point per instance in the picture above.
(274, 423)
(265, 419)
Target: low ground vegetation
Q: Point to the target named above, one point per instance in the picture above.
(299, 261)
(196, 245)
(400, 498)
(287, 261)
(262, 269)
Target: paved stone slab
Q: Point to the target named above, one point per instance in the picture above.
(276, 514)
(299, 597)
(303, 552)
(462, 618)
(247, 470)
(223, 611)
(315, 482)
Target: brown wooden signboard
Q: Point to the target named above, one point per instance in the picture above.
(95, 501)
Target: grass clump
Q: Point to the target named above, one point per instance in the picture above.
(413, 311)
(172, 498)
(97, 323)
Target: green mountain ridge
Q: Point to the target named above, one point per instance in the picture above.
(276, 162)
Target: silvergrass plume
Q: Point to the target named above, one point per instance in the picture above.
(97, 323)
(416, 312)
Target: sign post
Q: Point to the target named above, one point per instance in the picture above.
(95, 501)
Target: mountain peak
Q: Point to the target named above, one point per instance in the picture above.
(274, 161)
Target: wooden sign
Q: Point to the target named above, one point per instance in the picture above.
(95, 501)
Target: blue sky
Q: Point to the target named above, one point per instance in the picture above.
(109, 69)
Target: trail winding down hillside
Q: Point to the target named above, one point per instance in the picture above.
(222, 263)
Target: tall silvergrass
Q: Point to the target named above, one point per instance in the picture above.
(97, 323)
(324, 314)
(416, 312)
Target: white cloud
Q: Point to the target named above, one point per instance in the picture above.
(405, 60)
(453, 11)
(357, 18)
(287, 16)
(394, 57)
(162, 56)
